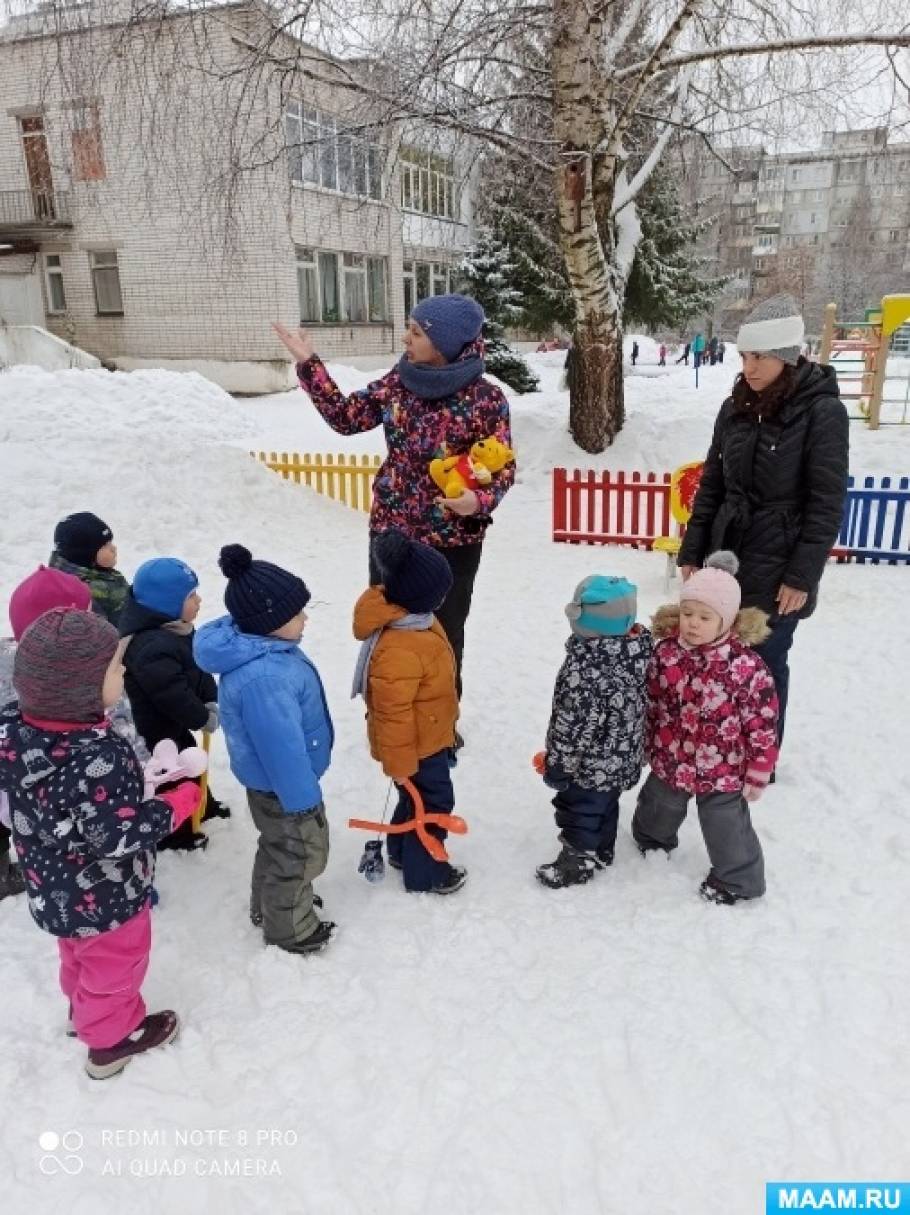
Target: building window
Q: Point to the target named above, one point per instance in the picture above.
(341, 287)
(88, 154)
(759, 263)
(307, 285)
(106, 283)
(53, 276)
(322, 153)
(428, 183)
(812, 218)
(423, 279)
(794, 174)
(894, 235)
(376, 285)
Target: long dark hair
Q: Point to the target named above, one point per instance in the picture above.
(769, 402)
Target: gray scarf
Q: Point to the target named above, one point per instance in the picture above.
(413, 622)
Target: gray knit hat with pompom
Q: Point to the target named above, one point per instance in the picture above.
(773, 327)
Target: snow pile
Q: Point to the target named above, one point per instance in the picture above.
(622, 1047)
(150, 407)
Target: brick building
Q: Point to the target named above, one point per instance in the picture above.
(161, 204)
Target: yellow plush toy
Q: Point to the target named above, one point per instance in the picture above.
(473, 470)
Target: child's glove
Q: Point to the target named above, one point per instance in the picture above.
(753, 792)
(755, 784)
(183, 801)
(372, 866)
(214, 719)
(539, 762)
(553, 778)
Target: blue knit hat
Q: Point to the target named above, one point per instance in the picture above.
(163, 584)
(415, 576)
(450, 322)
(260, 597)
(603, 607)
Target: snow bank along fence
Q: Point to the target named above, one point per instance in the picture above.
(634, 509)
(346, 477)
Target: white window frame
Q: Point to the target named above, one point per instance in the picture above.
(327, 272)
(323, 153)
(423, 279)
(428, 184)
(101, 263)
(53, 273)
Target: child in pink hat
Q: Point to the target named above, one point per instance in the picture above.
(711, 730)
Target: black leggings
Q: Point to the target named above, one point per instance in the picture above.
(464, 560)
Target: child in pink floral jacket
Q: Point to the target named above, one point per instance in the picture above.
(711, 729)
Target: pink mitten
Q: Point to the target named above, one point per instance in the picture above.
(183, 801)
(167, 765)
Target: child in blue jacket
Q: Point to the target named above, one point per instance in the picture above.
(279, 737)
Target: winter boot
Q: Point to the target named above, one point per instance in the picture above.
(453, 879)
(604, 855)
(716, 892)
(215, 809)
(645, 849)
(70, 1024)
(11, 880)
(156, 1030)
(317, 940)
(573, 867)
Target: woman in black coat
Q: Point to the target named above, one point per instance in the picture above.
(775, 479)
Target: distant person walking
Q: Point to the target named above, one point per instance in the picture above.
(684, 357)
(698, 350)
(662, 356)
(634, 353)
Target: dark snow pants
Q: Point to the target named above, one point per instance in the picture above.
(293, 851)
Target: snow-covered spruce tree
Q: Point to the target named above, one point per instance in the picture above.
(487, 273)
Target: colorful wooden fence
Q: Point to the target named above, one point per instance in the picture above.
(634, 508)
(347, 478)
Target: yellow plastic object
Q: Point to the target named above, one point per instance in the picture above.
(667, 544)
(203, 785)
(895, 312)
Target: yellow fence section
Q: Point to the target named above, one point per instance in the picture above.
(346, 478)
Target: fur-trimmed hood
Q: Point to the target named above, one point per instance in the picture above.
(750, 626)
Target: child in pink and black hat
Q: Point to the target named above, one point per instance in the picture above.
(84, 836)
(711, 729)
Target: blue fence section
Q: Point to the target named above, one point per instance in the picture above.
(876, 526)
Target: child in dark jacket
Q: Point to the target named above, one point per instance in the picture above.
(711, 730)
(84, 546)
(595, 741)
(84, 836)
(406, 675)
(279, 737)
(169, 695)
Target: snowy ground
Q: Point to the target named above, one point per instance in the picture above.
(617, 1048)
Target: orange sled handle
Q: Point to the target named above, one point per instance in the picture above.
(422, 818)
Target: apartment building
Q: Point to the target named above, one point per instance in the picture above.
(828, 224)
(159, 206)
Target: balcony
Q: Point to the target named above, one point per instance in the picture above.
(29, 213)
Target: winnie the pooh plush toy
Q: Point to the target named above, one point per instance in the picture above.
(473, 470)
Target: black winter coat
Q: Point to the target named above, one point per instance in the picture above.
(773, 491)
(167, 691)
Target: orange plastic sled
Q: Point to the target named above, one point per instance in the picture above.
(422, 818)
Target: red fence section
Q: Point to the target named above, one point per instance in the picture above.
(610, 508)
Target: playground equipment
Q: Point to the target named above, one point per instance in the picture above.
(683, 486)
(865, 343)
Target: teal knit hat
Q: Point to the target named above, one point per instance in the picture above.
(603, 607)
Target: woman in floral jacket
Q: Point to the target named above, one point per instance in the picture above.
(711, 729)
(434, 403)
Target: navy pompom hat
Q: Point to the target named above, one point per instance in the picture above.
(163, 584)
(260, 597)
(415, 576)
(450, 322)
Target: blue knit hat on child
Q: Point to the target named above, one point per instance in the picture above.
(415, 576)
(162, 585)
(260, 597)
(603, 607)
(450, 322)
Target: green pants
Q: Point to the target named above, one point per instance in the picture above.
(293, 851)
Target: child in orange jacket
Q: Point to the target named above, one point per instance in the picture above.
(406, 674)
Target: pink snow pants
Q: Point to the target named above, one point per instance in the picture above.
(102, 976)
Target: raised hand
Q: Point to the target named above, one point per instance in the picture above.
(299, 344)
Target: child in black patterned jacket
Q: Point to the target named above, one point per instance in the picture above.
(595, 740)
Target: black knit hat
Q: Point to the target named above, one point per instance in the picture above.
(415, 576)
(260, 597)
(78, 537)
